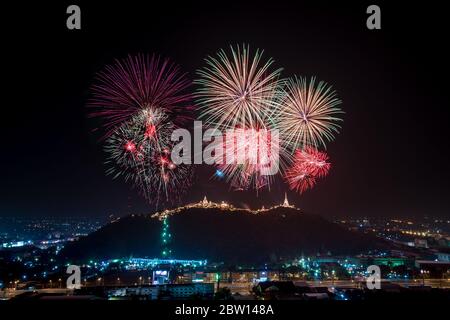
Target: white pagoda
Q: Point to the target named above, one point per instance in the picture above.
(286, 202)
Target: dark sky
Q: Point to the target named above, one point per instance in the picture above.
(390, 159)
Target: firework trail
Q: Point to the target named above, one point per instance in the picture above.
(237, 90)
(307, 114)
(139, 150)
(139, 82)
(314, 160)
(141, 100)
(308, 165)
(253, 154)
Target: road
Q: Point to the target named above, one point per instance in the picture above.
(244, 288)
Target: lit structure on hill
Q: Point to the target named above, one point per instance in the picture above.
(286, 202)
(143, 263)
(207, 204)
(165, 239)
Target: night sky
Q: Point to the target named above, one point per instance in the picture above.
(390, 159)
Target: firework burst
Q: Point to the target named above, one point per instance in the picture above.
(139, 150)
(137, 83)
(237, 90)
(255, 156)
(307, 114)
(308, 165)
(255, 159)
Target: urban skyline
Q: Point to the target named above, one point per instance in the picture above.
(419, 252)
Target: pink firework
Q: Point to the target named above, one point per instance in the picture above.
(314, 160)
(308, 165)
(137, 83)
(139, 151)
(251, 158)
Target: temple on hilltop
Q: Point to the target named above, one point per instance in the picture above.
(286, 202)
(205, 203)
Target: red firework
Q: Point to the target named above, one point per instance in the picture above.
(139, 82)
(250, 158)
(139, 151)
(309, 164)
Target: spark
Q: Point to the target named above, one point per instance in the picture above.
(308, 165)
(145, 161)
(137, 83)
(237, 90)
(307, 114)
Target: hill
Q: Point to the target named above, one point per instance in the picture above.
(230, 236)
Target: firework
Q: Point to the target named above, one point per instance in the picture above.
(308, 165)
(136, 83)
(307, 114)
(237, 90)
(252, 158)
(314, 160)
(139, 150)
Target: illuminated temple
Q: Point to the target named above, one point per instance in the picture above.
(207, 204)
(286, 202)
